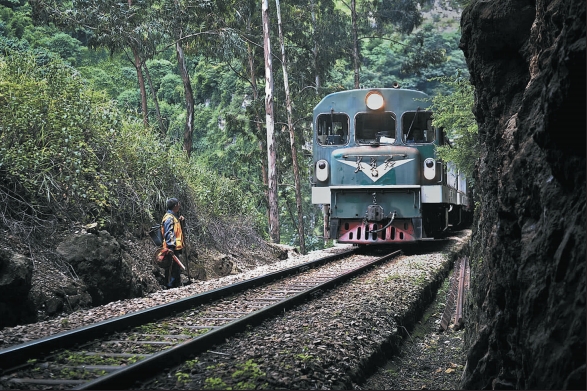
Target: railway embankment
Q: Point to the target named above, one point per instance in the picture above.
(334, 339)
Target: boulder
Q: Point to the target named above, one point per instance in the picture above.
(283, 251)
(99, 261)
(223, 265)
(16, 273)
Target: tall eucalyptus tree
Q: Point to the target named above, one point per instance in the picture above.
(292, 135)
(250, 30)
(270, 125)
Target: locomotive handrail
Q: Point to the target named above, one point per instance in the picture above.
(442, 179)
(376, 187)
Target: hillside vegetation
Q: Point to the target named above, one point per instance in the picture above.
(115, 171)
(68, 153)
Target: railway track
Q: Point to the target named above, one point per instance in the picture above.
(121, 351)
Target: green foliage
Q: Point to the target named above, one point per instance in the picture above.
(130, 99)
(247, 375)
(415, 61)
(182, 377)
(15, 21)
(52, 130)
(215, 383)
(68, 151)
(454, 112)
(171, 89)
(69, 49)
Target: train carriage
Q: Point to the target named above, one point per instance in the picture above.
(376, 173)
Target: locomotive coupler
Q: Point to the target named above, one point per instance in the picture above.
(374, 213)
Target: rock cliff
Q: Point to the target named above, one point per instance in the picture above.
(526, 310)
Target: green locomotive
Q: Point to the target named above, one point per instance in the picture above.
(376, 173)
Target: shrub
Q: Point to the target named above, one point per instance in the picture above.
(52, 133)
(66, 151)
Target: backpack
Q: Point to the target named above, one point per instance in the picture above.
(156, 235)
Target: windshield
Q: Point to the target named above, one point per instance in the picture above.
(375, 127)
(417, 127)
(333, 129)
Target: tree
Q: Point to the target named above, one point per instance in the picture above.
(175, 16)
(294, 152)
(193, 25)
(454, 112)
(111, 24)
(317, 35)
(375, 19)
(270, 124)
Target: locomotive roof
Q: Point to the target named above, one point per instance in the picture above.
(351, 101)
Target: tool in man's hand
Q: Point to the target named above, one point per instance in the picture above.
(176, 259)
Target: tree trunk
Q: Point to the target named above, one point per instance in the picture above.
(292, 138)
(270, 124)
(138, 66)
(315, 50)
(253, 77)
(355, 41)
(162, 127)
(188, 132)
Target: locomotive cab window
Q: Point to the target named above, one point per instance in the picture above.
(375, 128)
(417, 127)
(332, 129)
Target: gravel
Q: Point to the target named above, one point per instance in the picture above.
(428, 358)
(339, 341)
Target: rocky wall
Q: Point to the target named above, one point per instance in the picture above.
(526, 310)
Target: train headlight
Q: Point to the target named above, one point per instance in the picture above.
(429, 169)
(374, 100)
(322, 170)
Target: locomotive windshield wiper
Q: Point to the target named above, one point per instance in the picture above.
(412, 124)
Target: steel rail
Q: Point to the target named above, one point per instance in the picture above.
(19, 354)
(144, 369)
(461, 293)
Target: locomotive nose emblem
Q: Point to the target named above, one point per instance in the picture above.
(375, 169)
(389, 163)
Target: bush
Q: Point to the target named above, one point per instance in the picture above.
(66, 151)
(52, 133)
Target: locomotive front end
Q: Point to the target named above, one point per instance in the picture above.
(373, 196)
(373, 151)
